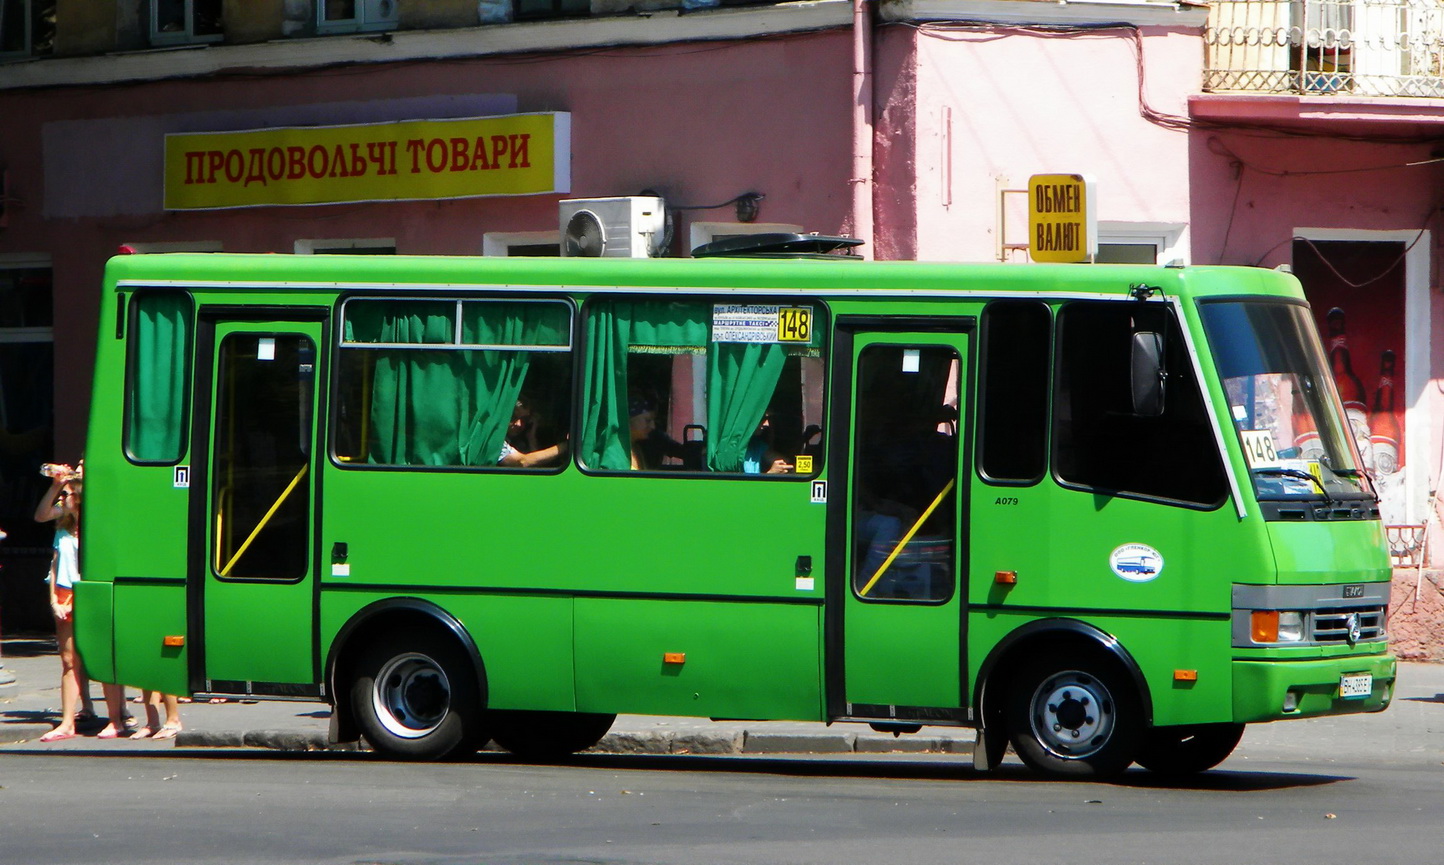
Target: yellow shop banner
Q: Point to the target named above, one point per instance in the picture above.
(516, 154)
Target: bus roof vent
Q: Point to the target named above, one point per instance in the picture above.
(779, 245)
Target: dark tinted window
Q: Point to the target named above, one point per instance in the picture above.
(1017, 336)
(1099, 442)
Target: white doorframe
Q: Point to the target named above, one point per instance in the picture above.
(1418, 420)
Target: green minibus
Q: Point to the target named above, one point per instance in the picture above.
(1102, 514)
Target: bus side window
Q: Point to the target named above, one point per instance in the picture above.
(1013, 441)
(453, 383)
(158, 376)
(671, 389)
(1098, 440)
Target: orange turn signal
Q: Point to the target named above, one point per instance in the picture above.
(1185, 675)
(674, 657)
(1265, 626)
(1005, 578)
(173, 640)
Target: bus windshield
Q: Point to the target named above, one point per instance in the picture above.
(1283, 401)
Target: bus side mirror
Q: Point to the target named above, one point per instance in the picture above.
(1149, 375)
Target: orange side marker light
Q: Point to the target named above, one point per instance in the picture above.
(674, 657)
(173, 640)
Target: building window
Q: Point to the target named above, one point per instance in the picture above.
(355, 246)
(1141, 243)
(350, 16)
(533, 244)
(700, 233)
(27, 400)
(181, 22)
(532, 10)
(27, 28)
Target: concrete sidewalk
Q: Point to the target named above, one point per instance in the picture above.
(30, 707)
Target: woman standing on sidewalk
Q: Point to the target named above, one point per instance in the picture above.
(62, 504)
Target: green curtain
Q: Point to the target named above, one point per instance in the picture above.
(448, 407)
(741, 379)
(161, 352)
(614, 329)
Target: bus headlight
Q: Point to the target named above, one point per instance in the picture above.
(1291, 627)
(1274, 626)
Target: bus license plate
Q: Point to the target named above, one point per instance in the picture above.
(1356, 686)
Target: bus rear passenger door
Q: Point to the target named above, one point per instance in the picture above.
(252, 581)
(895, 604)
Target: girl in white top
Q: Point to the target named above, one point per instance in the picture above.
(62, 504)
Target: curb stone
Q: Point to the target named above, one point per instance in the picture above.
(799, 743)
(660, 742)
(709, 743)
(13, 734)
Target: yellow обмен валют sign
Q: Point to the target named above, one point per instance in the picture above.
(1062, 225)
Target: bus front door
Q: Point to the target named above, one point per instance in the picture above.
(252, 581)
(898, 611)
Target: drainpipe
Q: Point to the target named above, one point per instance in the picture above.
(862, 134)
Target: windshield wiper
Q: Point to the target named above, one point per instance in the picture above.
(1297, 473)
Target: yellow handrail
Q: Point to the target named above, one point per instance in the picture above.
(264, 520)
(907, 537)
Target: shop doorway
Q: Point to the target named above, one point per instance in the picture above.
(1359, 295)
(27, 439)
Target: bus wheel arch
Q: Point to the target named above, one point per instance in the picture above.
(1036, 672)
(405, 674)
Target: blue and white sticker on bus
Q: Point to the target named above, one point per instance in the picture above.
(1137, 563)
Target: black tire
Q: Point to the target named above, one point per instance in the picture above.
(547, 735)
(1074, 718)
(415, 696)
(1188, 750)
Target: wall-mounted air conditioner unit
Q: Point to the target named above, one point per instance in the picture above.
(633, 226)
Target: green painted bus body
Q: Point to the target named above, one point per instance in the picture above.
(574, 586)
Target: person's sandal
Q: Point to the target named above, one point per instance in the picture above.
(167, 731)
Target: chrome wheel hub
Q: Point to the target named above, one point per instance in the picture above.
(411, 696)
(1072, 715)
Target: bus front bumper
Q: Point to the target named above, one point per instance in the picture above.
(1275, 690)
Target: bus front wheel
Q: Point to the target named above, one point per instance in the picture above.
(415, 696)
(547, 735)
(1078, 717)
(1175, 751)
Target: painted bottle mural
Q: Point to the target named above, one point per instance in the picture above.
(1351, 390)
(1384, 425)
(1306, 434)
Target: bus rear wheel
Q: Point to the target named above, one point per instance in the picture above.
(415, 696)
(547, 735)
(1074, 718)
(1188, 750)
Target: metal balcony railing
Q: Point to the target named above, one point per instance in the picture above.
(1348, 47)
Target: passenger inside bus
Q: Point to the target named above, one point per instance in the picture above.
(761, 457)
(522, 446)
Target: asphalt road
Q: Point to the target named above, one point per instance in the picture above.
(1353, 789)
(247, 806)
